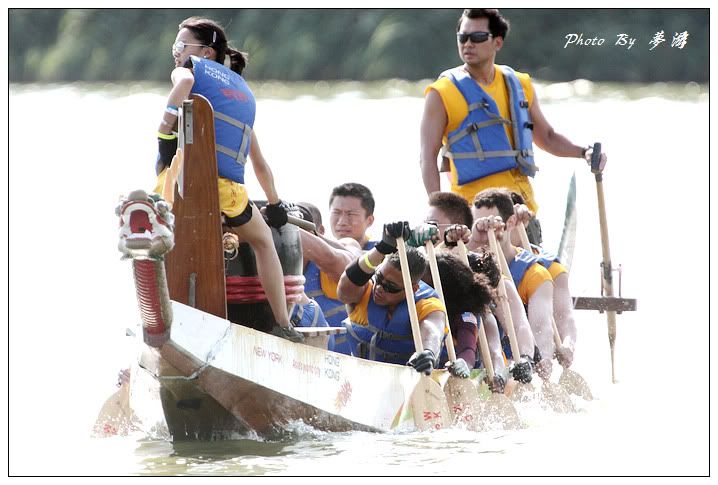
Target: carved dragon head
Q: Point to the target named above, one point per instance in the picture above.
(146, 226)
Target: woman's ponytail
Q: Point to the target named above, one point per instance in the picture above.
(237, 60)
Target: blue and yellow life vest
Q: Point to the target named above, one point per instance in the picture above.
(385, 338)
(234, 110)
(334, 310)
(545, 258)
(479, 147)
(370, 245)
(520, 264)
(310, 315)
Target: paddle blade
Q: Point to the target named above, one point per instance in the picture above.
(500, 413)
(429, 404)
(557, 398)
(115, 416)
(464, 404)
(575, 384)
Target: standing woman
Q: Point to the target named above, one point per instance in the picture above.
(199, 52)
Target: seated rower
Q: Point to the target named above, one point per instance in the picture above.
(533, 281)
(451, 213)
(351, 213)
(379, 326)
(324, 263)
(562, 301)
(467, 296)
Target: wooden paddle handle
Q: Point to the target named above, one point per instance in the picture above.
(437, 286)
(483, 341)
(525, 243)
(301, 223)
(504, 301)
(408, 291)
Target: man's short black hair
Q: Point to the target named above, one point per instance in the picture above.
(453, 206)
(417, 263)
(498, 25)
(499, 198)
(353, 189)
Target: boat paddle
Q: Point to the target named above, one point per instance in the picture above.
(461, 393)
(302, 224)
(570, 380)
(607, 274)
(555, 395)
(498, 405)
(114, 416)
(428, 401)
(504, 302)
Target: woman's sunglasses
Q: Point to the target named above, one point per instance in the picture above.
(388, 286)
(476, 37)
(179, 46)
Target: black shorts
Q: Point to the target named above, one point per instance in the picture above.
(244, 217)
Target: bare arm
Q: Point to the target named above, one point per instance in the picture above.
(262, 171)
(433, 123)
(491, 328)
(563, 314)
(540, 313)
(330, 259)
(182, 82)
(432, 331)
(518, 317)
(350, 293)
(546, 137)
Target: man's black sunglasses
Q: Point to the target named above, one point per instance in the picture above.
(476, 37)
(388, 286)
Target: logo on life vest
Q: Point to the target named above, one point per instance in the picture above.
(235, 94)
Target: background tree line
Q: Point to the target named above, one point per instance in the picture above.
(60, 45)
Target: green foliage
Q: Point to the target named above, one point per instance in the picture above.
(55, 45)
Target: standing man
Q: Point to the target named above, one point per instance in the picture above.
(484, 118)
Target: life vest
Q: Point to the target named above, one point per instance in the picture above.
(234, 109)
(310, 315)
(370, 245)
(545, 258)
(334, 310)
(386, 339)
(520, 264)
(480, 147)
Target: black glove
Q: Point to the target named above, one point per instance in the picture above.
(498, 385)
(459, 368)
(391, 231)
(522, 370)
(423, 361)
(166, 150)
(276, 214)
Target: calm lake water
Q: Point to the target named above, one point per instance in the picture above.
(71, 298)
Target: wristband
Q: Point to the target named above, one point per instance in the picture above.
(356, 275)
(368, 263)
(166, 136)
(172, 110)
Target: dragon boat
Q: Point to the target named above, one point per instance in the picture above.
(205, 350)
(204, 318)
